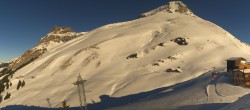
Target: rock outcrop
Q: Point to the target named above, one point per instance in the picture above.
(172, 7)
(55, 37)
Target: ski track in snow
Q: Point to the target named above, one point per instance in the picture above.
(211, 90)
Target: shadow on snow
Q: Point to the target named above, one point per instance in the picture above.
(110, 102)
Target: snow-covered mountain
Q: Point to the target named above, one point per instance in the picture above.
(161, 49)
(55, 37)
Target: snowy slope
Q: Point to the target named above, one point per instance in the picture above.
(202, 93)
(241, 104)
(126, 58)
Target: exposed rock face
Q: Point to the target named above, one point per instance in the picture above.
(26, 58)
(3, 65)
(172, 7)
(55, 37)
(59, 34)
(180, 41)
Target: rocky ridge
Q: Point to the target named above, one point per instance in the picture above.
(55, 37)
(171, 7)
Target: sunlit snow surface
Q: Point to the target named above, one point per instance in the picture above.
(101, 56)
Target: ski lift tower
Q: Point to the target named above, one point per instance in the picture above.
(48, 100)
(81, 92)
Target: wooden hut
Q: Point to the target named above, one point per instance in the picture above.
(240, 70)
(236, 63)
(241, 77)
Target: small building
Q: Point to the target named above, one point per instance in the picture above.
(240, 70)
(236, 63)
(241, 77)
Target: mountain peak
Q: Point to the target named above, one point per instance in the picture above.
(178, 6)
(171, 7)
(60, 30)
(59, 34)
(55, 37)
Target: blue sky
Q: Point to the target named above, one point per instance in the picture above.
(24, 22)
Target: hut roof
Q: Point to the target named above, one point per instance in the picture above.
(243, 71)
(235, 58)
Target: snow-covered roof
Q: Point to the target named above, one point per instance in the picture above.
(235, 58)
(243, 70)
